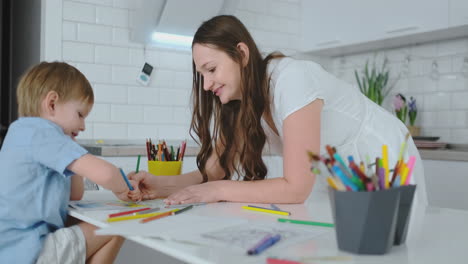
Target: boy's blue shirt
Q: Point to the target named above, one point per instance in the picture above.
(35, 186)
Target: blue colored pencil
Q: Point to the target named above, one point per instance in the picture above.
(126, 180)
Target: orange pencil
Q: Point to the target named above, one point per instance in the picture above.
(168, 213)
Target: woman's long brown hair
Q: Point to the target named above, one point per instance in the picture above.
(234, 129)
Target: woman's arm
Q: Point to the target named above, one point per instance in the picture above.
(77, 187)
(153, 187)
(301, 131)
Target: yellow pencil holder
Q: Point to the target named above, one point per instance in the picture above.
(164, 168)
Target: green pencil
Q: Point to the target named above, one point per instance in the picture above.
(302, 222)
(138, 164)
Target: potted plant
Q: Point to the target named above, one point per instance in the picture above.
(374, 82)
(401, 110)
(412, 113)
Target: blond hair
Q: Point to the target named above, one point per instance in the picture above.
(67, 81)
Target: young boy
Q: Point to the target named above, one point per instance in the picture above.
(42, 168)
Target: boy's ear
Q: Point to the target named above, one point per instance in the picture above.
(49, 103)
(244, 50)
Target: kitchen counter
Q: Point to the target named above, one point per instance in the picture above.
(453, 152)
(126, 148)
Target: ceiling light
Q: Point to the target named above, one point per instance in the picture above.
(172, 39)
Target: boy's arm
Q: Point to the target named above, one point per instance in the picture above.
(100, 172)
(77, 187)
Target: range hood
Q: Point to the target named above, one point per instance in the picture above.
(179, 17)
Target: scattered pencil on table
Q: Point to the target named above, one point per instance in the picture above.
(183, 209)
(304, 222)
(263, 244)
(354, 176)
(151, 210)
(278, 260)
(275, 207)
(149, 214)
(265, 210)
(131, 217)
(161, 215)
(158, 216)
(183, 205)
(130, 212)
(272, 260)
(168, 213)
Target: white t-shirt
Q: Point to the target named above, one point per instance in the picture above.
(349, 121)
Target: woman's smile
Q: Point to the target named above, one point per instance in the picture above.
(218, 90)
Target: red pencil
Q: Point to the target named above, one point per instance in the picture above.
(281, 261)
(182, 150)
(129, 212)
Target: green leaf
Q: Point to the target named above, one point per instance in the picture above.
(374, 82)
(359, 82)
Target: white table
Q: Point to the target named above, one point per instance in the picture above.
(438, 235)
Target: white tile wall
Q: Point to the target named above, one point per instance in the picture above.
(79, 12)
(442, 101)
(105, 93)
(96, 39)
(79, 52)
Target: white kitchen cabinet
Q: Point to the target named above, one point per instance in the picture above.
(321, 28)
(336, 24)
(128, 164)
(402, 17)
(458, 13)
(446, 183)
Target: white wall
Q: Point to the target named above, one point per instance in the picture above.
(93, 35)
(442, 102)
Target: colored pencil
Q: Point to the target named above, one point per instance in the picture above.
(265, 210)
(304, 222)
(129, 212)
(158, 216)
(138, 164)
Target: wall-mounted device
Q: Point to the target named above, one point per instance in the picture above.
(145, 75)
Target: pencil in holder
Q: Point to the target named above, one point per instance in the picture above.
(365, 222)
(164, 168)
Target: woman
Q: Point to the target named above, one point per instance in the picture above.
(241, 100)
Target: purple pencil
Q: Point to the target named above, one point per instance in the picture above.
(382, 178)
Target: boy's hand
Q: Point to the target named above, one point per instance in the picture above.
(128, 195)
(149, 185)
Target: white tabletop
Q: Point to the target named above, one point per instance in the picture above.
(438, 235)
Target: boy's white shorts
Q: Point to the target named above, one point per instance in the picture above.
(66, 245)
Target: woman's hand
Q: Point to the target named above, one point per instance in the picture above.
(128, 195)
(148, 184)
(207, 193)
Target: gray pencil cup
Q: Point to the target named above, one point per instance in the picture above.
(404, 212)
(365, 222)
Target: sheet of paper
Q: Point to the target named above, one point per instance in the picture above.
(182, 227)
(246, 235)
(233, 233)
(88, 205)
